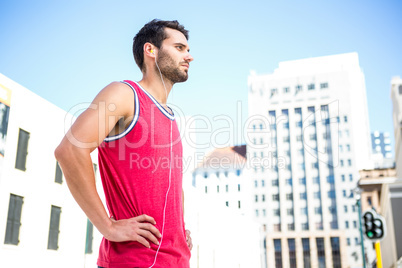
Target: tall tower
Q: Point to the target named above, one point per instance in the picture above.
(309, 136)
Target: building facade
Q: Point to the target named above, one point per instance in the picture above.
(396, 97)
(309, 138)
(227, 235)
(381, 150)
(382, 191)
(41, 225)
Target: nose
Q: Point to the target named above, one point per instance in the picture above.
(188, 57)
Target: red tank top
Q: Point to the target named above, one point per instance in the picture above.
(134, 168)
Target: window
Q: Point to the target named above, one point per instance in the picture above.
(227, 203)
(278, 253)
(264, 212)
(344, 193)
(277, 227)
(350, 177)
(336, 252)
(331, 194)
(255, 183)
(227, 188)
(217, 188)
(13, 220)
(313, 137)
(89, 238)
(226, 174)
(303, 211)
(345, 209)
(239, 204)
(341, 148)
(349, 162)
(317, 195)
(346, 224)
(275, 182)
(321, 252)
(95, 166)
(238, 187)
(299, 124)
(306, 252)
(357, 241)
(277, 212)
(302, 181)
(274, 91)
(345, 119)
(22, 150)
(299, 88)
(292, 252)
(238, 172)
(262, 183)
(289, 196)
(303, 196)
(341, 162)
(286, 138)
(59, 174)
(286, 90)
(256, 198)
(323, 85)
(343, 177)
(291, 226)
(206, 189)
(263, 198)
(311, 87)
(348, 241)
(304, 226)
(289, 182)
(275, 197)
(256, 212)
(54, 231)
(348, 147)
(205, 175)
(317, 210)
(354, 224)
(289, 211)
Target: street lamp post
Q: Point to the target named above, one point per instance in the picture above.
(357, 191)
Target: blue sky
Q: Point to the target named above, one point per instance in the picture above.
(66, 51)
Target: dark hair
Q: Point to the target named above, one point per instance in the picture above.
(154, 33)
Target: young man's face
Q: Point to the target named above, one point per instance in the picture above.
(174, 57)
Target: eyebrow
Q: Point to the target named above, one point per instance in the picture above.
(181, 44)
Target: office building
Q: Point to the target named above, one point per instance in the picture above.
(309, 138)
(381, 150)
(41, 224)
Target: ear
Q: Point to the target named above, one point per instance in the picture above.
(150, 50)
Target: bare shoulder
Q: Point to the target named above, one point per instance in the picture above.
(117, 97)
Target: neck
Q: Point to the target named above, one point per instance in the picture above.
(153, 83)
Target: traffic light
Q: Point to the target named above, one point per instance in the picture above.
(374, 225)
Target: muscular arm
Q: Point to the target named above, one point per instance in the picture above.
(73, 155)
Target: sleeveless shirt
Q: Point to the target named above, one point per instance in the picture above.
(134, 167)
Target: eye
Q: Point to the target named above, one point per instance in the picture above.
(179, 47)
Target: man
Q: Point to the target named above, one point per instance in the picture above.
(138, 142)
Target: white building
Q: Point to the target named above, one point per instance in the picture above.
(309, 139)
(381, 150)
(396, 97)
(226, 234)
(41, 224)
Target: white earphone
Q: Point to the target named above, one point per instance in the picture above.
(170, 168)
